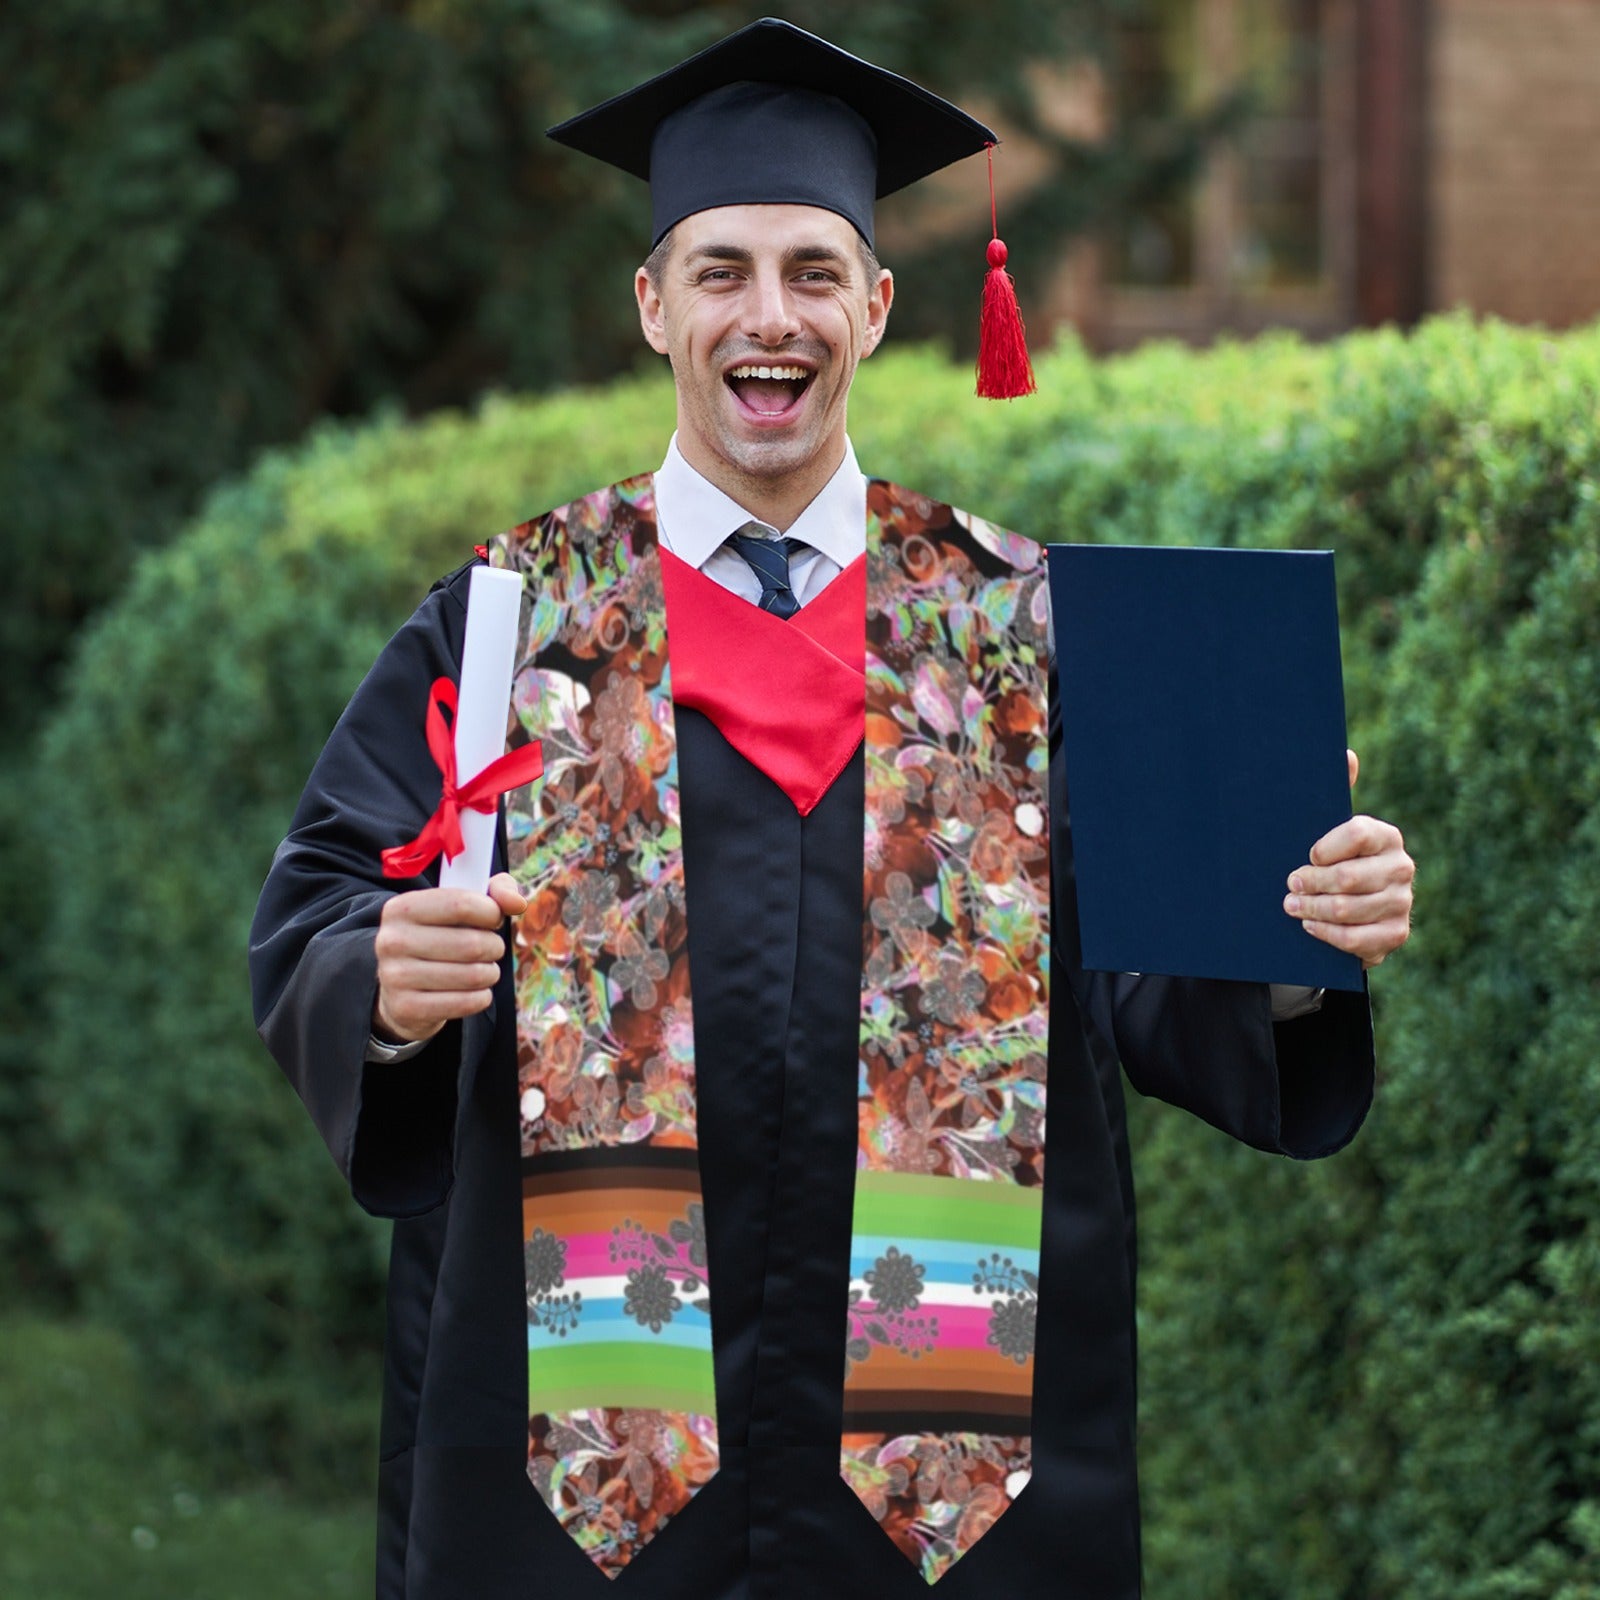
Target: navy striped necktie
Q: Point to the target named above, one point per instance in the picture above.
(769, 560)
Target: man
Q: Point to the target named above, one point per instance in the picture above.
(727, 1258)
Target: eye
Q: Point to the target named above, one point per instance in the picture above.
(718, 275)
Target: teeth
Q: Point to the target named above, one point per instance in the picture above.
(798, 374)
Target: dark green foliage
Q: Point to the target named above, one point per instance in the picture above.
(1377, 1378)
(1373, 1378)
(24, 1142)
(192, 1211)
(218, 224)
(221, 223)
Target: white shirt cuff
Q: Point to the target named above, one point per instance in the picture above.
(382, 1051)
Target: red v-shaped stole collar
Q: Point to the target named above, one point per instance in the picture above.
(789, 696)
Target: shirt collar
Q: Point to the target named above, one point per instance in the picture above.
(694, 517)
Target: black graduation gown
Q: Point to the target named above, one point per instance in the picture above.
(774, 905)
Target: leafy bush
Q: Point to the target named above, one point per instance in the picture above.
(1374, 1377)
(316, 207)
(196, 1215)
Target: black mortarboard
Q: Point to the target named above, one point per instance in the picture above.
(774, 115)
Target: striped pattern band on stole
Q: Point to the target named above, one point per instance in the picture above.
(944, 1254)
(622, 1410)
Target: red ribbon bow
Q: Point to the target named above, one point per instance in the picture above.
(442, 831)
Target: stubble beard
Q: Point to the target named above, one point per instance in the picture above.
(766, 460)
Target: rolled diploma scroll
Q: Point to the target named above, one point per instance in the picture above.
(494, 605)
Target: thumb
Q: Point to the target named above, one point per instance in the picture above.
(504, 892)
(1354, 762)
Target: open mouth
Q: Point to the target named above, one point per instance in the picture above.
(769, 391)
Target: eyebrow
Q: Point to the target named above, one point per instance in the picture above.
(795, 255)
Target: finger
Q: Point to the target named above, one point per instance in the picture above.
(1388, 903)
(504, 892)
(445, 908)
(1360, 836)
(426, 941)
(1353, 761)
(409, 975)
(414, 1016)
(1357, 875)
(1370, 941)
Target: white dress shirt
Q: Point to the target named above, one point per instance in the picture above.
(693, 520)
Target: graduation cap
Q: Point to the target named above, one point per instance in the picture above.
(773, 115)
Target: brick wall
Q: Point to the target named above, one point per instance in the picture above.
(1514, 161)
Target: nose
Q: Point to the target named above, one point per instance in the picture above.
(771, 317)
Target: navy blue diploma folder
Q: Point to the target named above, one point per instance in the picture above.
(1202, 712)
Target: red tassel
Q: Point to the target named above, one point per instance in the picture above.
(1004, 370)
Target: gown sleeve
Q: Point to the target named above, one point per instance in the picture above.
(313, 965)
(1299, 1088)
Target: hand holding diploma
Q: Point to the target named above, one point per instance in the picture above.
(439, 950)
(1355, 892)
(439, 953)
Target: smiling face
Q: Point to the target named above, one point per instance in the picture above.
(764, 311)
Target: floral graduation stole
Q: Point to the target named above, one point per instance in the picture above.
(938, 1350)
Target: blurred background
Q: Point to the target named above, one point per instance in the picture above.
(297, 305)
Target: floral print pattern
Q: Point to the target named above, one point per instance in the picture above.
(605, 1030)
(955, 991)
(649, 1299)
(661, 1263)
(954, 1006)
(937, 1494)
(896, 1281)
(604, 1021)
(955, 968)
(889, 1317)
(615, 1476)
(544, 1259)
(1012, 1321)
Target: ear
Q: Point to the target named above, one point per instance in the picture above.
(879, 299)
(652, 315)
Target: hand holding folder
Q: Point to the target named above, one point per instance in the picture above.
(1202, 711)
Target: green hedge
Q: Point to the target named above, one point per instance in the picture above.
(192, 1204)
(1374, 1377)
